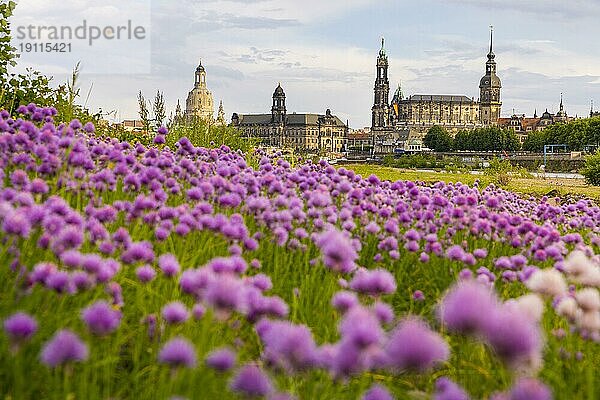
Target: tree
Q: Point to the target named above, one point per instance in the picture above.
(591, 171)
(535, 141)
(438, 139)
(158, 108)
(143, 112)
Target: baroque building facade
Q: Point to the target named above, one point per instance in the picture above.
(309, 133)
(199, 103)
(523, 125)
(409, 118)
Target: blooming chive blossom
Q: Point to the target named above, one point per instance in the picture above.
(530, 389)
(251, 381)
(145, 273)
(377, 392)
(221, 360)
(168, 264)
(175, 313)
(65, 346)
(467, 307)
(413, 345)
(337, 250)
(101, 318)
(445, 389)
(375, 282)
(178, 352)
(20, 326)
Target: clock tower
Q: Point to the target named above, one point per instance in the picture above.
(489, 90)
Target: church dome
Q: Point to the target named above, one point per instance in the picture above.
(200, 67)
(279, 91)
(490, 81)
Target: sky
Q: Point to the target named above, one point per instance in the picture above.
(324, 52)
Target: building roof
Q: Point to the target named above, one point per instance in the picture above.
(440, 98)
(292, 119)
(254, 119)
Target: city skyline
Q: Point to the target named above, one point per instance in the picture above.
(326, 59)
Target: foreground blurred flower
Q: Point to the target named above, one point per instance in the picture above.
(20, 327)
(65, 346)
(251, 381)
(413, 345)
(377, 392)
(221, 360)
(467, 307)
(101, 318)
(178, 352)
(287, 346)
(549, 282)
(175, 312)
(338, 253)
(445, 389)
(375, 283)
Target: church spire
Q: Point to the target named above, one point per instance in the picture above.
(561, 102)
(491, 38)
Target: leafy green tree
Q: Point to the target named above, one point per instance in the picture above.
(535, 142)
(158, 108)
(438, 139)
(591, 171)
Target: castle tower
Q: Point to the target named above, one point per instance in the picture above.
(489, 89)
(278, 109)
(199, 103)
(380, 110)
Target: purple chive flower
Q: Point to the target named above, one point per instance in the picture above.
(343, 301)
(198, 311)
(168, 264)
(175, 313)
(221, 360)
(413, 345)
(418, 295)
(178, 352)
(58, 281)
(145, 273)
(251, 381)
(377, 392)
(288, 346)
(101, 318)
(383, 312)
(65, 346)
(530, 389)
(513, 334)
(338, 253)
(20, 327)
(377, 282)
(468, 307)
(445, 389)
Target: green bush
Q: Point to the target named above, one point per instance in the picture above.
(591, 171)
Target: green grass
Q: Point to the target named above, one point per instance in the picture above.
(529, 186)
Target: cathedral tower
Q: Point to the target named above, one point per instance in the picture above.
(380, 110)
(199, 102)
(489, 89)
(278, 109)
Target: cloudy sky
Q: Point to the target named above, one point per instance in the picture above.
(324, 51)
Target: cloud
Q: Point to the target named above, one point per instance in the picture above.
(539, 8)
